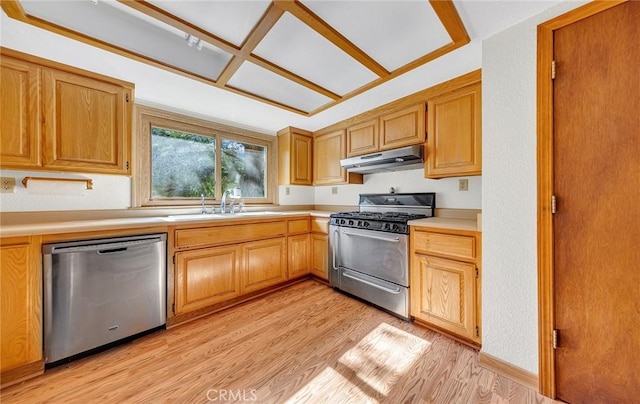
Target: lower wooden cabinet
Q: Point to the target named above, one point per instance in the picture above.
(265, 263)
(298, 253)
(221, 264)
(320, 247)
(20, 308)
(319, 256)
(445, 281)
(207, 276)
(446, 294)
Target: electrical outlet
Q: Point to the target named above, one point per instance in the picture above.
(7, 185)
(463, 185)
(334, 190)
(287, 191)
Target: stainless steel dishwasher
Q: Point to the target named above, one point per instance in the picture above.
(97, 292)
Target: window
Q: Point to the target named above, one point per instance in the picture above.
(181, 158)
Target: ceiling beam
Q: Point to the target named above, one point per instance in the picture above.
(320, 26)
(448, 15)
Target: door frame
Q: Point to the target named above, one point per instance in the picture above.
(546, 302)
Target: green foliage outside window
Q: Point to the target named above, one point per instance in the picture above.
(184, 166)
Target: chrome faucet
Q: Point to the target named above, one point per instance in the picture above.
(204, 208)
(223, 202)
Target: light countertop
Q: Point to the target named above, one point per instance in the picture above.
(71, 226)
(447, 223)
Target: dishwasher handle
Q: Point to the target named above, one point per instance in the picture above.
(102, 246)
(113, 250)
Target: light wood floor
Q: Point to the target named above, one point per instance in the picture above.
(306, 343)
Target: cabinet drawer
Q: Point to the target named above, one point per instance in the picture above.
(298, 225)
(228, 234)
(456, 246)
(320, 225)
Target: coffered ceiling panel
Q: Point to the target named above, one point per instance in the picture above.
(264, 83)
(394, 33)
(128, 29)
(230, 20)
(312, 56)
(304, 56)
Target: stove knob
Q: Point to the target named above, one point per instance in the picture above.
(350, 222)
(365, 224)
(396, 227)
(342, 221)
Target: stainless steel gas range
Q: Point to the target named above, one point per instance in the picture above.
(369, 249)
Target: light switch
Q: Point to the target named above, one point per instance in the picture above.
(334, 190)
(8, 185)
(287, 191)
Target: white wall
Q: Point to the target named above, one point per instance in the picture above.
(447, 196)
(109, 192)
(509, 240)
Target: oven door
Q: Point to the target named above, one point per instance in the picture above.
(378, 254)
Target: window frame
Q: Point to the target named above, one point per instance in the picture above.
(147, 117)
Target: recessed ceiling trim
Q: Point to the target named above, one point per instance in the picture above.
(320, 26)
(266, 100)
(444, 9)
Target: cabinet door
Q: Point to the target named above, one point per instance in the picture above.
(295, 157)
(19, 114)
(21, 304)
(362, 138)
(264, 263)
(443, 294)
(454, 144)
(320, 255)
(327, 151)
(402, 128)
(205, 277)
(298, 252)
(86, 124)
(301, 160)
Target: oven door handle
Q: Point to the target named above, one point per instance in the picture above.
(356, 278)
(334, 250)
(391, 240)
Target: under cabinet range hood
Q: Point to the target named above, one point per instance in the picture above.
(405, 158)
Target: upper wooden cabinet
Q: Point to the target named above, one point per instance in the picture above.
(363, 138)
(391, 130)
(328, 149)
(295, 157)
(402, 128)
(20, 113)
(57, 117)
(454, 143)
(86, 123)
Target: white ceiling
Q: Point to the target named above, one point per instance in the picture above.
(393, 33)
